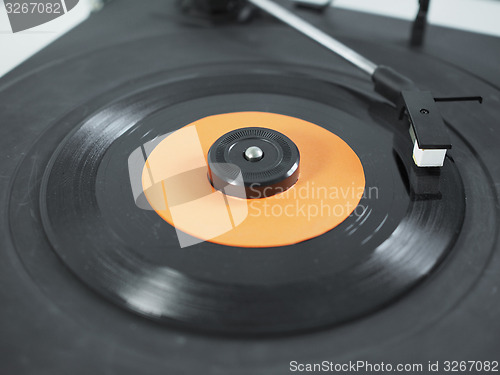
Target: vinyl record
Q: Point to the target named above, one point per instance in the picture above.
(139, 264)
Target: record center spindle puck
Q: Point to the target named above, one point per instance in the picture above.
(253, 163)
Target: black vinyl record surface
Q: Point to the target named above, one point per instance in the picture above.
(91, 283)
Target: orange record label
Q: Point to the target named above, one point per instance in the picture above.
(176, 184)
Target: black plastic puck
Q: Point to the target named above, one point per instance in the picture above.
(253, 163)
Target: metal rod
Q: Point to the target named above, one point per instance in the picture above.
(316, 34)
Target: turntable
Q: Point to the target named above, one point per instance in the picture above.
(248, 187)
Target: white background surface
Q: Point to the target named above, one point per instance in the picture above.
(15, 48)
(474, 15)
